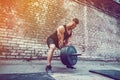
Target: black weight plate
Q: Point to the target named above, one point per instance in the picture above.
(65, 55)
(72, 59)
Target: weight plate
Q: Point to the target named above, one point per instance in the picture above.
(63, 56)
(72, 59)
(66, 55)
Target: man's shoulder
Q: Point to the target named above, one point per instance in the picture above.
(61, 28)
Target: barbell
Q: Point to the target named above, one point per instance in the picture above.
(68, 56)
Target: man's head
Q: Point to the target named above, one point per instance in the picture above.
(74, 23)
(76, 20)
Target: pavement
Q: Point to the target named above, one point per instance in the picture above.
(60, 71)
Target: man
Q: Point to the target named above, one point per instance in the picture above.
(59, 39)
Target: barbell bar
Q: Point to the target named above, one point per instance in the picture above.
(31, 58)
(68, 56)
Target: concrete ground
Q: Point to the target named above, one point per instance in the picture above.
(60, 71)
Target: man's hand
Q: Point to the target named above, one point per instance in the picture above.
(63, 43)
(60, 44)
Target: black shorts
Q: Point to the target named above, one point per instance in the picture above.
(52, 41)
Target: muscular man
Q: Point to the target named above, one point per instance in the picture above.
(59, 39)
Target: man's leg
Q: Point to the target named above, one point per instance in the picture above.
(49, 57)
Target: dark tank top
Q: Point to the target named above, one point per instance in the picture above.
(55, 37)
(66, 35)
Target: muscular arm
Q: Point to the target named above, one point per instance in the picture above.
(60, 33)
(67, 41)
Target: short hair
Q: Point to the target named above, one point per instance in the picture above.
(76, 20)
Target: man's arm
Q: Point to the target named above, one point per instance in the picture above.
(66, 42)
(60, 34)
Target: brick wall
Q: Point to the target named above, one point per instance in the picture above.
(24, 28)
(101, 28)
(15, 46)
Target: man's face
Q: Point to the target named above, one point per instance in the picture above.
(73, 25)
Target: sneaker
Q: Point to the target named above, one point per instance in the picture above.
(71, 67)
(49, 69)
